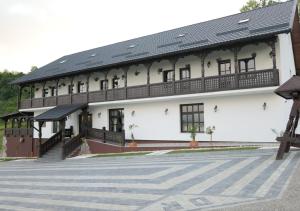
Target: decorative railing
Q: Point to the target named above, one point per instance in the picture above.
(18, 132)
(51, 142)
(105, 135)
(70, 145)
(255, 79)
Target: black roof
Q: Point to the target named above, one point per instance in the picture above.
(261, 22)
(290, 86)
(16, 114)
(59, 112)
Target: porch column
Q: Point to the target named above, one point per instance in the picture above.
(173, 61)
(83, 130)
(87, 87)
(148, 67)
(62, 126)
(40, 138)
(125, 80)
(19, 96)
(202, 57)
(31, 94)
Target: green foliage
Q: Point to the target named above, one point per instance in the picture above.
(193, 131)
(254, 4)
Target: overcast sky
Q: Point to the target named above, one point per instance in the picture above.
(36, 32)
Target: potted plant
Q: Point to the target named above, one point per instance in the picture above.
(210, 131)
(133, 142)
(193, 132)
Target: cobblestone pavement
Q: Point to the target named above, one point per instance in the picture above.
(194, 181)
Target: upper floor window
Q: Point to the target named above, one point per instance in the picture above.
(52, 91)
(80, 87)
(192, 115)
(103, 84)
(45, 92)
(247, 65)
(185, 73)
(115, 82)
(224, 67)
(168, 75)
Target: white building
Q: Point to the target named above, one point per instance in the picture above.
(219, 73)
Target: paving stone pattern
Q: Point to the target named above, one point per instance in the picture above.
(194, 181)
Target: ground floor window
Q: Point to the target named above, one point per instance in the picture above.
(192, 115)
(54, 127)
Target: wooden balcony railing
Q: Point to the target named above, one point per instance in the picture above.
(255, 79)
(18, 132)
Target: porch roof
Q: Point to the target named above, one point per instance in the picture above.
(16, 114)
(59, 112)
(292, 85)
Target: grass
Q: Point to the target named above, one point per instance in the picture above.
(199, 150)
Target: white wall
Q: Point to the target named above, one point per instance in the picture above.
(239, 118)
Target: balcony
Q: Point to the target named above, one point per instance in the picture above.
(256, 79)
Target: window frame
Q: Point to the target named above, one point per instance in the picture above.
(226, 61)
(165, 73)
(187, 68)
(102, 87)
(181, 113)
(246, 60)
(113, 80)
(55, 127)
(80, 87)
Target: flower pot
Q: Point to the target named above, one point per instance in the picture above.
(132, 144)
(194, 144)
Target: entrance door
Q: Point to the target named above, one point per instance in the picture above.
(116, 120)
(89, 121)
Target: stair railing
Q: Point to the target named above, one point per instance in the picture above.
(70, 145)
(51, 142)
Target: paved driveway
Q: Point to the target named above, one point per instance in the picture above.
(193, 181)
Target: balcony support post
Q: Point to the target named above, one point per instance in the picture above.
(148, 67)
(173, 62)
(235, 51)
(43, 93)
(87, 87)
(31, 94)
(56, 92)
(272, 43)
(19, 96)
(106, 88)
(125, 69)
(40, 138)
(202, 57)
(71, 89)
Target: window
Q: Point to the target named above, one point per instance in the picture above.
(185, 73)
(168, 75)
(54, 127)
(80, 87)
(224, 67)
(115, 83)
(52, 91)
(103, 84)
(116, 120)
(247, 65)
(192, 115)
(45, 92)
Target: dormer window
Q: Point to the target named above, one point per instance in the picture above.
(62, 61)
(244, 21)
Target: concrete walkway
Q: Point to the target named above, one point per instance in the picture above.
(193, 181)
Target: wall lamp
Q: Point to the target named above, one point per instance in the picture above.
(99, 114)
(160, 70)
(265, 106)
(166, 111)
(132, 113)
(216, 108)
(208, 64)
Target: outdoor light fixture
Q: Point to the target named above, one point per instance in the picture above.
(159, 71)
(208, 64)
(123, 77)
(136, 73)
(166, 111)
(271, 54)
(216, 108)
(265, 106)
(96, 79)
(132, 113)
(99, 114)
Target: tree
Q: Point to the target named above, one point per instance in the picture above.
(254, 4)
(33, 68)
